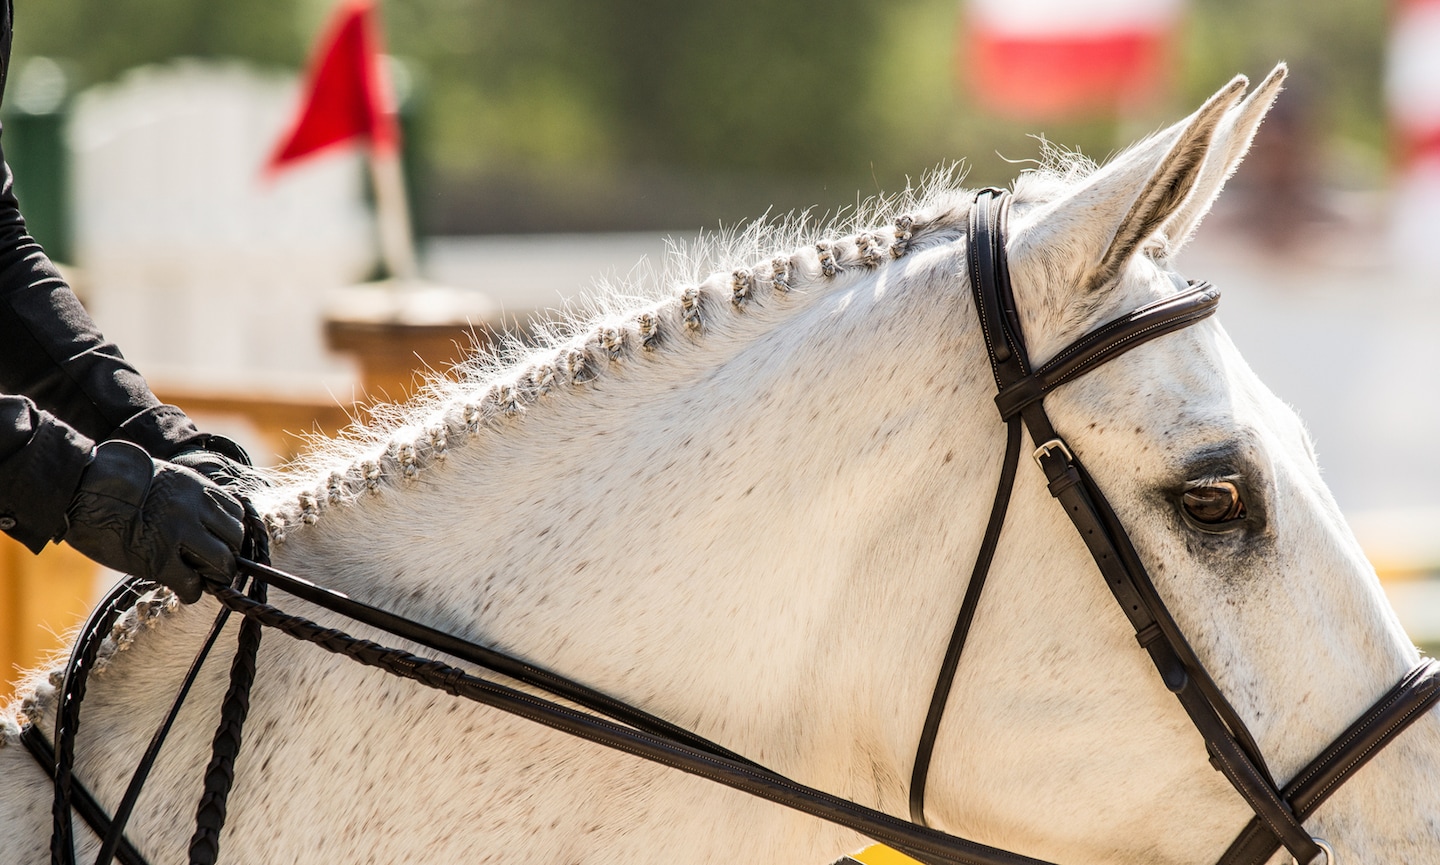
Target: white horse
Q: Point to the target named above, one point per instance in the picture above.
(748, 504)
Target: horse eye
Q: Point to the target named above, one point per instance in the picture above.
(1214, 503)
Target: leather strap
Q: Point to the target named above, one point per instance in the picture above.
(81, 798)
(1230, 746)
(951, 662)
(1402, 706)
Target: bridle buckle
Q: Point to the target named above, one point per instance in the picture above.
(1324, 848)
(1045, 449)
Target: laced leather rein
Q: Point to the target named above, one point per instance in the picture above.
(1280, 811)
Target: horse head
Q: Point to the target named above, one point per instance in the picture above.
(1216, 482)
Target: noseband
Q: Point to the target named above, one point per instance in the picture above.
(1021, 392)
(1279, 812)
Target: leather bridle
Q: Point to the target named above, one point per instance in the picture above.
(1022, 388)
(1280, 811)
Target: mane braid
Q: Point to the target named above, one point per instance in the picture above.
(504, 384)
(38, 692)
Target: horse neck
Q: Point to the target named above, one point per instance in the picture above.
(733, 534)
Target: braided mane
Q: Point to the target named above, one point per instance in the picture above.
(706, 287)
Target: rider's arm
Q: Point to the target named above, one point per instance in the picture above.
(119, 502)
(52, 352)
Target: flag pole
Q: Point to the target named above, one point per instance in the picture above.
(392, 216)
(348, 95)
(387, 173)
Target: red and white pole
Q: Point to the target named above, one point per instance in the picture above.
(1049, 59)
(1412, 90)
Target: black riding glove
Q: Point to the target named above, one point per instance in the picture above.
(155, 520)
(221, 460)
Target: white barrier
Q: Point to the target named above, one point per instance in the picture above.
(197, 266)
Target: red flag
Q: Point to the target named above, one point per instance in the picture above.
(346, 94)
(1058, 58)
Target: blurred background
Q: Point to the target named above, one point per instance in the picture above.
(552, 143)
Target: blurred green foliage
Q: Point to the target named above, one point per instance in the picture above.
(646, 113)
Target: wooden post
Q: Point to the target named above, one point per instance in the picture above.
(395, 332)
(392, 354)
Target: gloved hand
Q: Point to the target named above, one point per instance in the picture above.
(154, 519)
(221, 460)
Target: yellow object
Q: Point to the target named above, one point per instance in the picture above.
(879, 854)
(42, 599)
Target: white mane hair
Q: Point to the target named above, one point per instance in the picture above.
(722, 283)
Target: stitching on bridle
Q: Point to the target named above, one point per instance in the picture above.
(1254, 804)
(1125, 340)
(1344, 774)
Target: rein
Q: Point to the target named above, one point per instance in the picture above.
(615, 724)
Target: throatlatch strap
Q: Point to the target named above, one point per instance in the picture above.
(923, 752)
(1005, 347)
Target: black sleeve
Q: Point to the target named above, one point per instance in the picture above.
(41, 460)
(80, 389)
(52, 352)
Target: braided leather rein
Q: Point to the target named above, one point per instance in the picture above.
(615, 724)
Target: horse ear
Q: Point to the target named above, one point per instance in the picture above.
(1121, 206)
(1229, 146)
